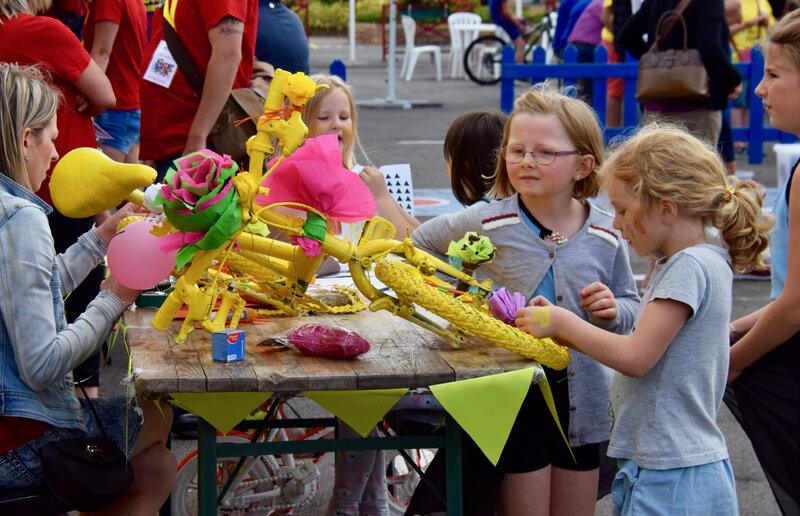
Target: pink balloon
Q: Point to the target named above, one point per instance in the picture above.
(135, 257)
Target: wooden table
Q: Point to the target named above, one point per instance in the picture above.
(402, 355)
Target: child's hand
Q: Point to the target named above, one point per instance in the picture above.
(536, 318)
(599, 301)
(375, 181)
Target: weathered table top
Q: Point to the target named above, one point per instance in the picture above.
(401, 355)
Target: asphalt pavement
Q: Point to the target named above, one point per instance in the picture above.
(392, 134)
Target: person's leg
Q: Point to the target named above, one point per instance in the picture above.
(351, 475)
(725, 144)
(519, 50)
(615, 91)
(573, 493)
(375, 499)
(153, 464)
(111, 152)
(133, 154)
(525, 493)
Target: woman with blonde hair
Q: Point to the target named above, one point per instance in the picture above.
(38, 349)
(28, 39)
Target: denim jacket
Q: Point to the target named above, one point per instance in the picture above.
(38, 350)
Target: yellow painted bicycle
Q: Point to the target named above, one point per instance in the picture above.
(277, 273)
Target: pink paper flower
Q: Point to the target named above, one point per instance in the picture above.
(313, 175)
(310, 246)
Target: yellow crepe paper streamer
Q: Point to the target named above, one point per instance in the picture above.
(486, 407)
(223, 410)
(361, 410)
(547, 394)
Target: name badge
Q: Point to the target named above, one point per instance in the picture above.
(162, 67)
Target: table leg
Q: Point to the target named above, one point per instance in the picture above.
(455, 476)
(206, 468)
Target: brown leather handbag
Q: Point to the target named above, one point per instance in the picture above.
(673, 76)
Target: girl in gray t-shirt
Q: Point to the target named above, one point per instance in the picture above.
(667, 187)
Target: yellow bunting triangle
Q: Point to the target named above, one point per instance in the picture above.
(544, 385)
(486, 407)
(360, 409)
(223, 410)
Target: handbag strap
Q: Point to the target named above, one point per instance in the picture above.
(667, 23)
(181, 56)
(94, 412)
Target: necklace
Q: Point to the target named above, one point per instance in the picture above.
(556, 237)
(544, 232)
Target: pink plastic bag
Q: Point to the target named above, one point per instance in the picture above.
(320, 340)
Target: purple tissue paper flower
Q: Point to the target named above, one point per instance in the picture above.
(504, 305)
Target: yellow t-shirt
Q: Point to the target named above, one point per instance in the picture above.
(606, 34)
(748, 37)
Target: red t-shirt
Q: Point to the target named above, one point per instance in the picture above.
(167, 113)
(126, 54)
(27, 40)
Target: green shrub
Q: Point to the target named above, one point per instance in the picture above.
(327, 17)
(332, 15)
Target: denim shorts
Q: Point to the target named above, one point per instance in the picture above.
(511, 29)
(122, 125)
(21, 466)
(708, 489)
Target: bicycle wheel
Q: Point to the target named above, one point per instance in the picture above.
(407, 281)
(483, 58)
(401, 480)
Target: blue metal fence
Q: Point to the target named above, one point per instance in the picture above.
(600, 70)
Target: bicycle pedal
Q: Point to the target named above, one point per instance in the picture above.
(305, 472)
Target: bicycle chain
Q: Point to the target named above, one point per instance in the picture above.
(273, 480)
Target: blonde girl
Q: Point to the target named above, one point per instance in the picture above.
(668, 188)
(764, 393)
(550, 241)
(360, 477)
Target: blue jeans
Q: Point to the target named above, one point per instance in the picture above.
(705, 490)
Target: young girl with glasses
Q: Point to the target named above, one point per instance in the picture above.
(550, 241)
(668, 188)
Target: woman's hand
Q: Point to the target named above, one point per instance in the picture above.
(125, 294)
(108, 229)
(735, 92)
(537, 318)
(599, 301)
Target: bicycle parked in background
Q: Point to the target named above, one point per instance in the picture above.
(484, 56)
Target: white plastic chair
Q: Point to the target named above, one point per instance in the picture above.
(413, 52)
(460, 39)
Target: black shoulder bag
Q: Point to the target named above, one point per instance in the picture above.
(86, 473)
